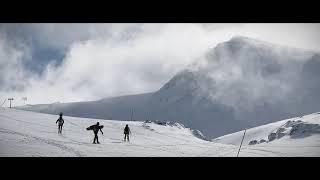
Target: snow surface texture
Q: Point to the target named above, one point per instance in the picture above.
(290, 135)
(24, 133)
(231, 88)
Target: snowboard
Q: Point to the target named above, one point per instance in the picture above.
(91, 127)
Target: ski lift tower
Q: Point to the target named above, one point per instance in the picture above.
(10, 99)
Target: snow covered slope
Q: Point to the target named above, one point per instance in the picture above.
(231, 88)
(282, 136)
(24, 133)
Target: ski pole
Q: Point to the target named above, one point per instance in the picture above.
(241, 142)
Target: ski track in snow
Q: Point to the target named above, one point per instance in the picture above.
(262, 152)
(40, 131)
(46, 141)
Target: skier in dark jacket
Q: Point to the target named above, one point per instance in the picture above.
(60, 122)
(126, 132)
(96, 129)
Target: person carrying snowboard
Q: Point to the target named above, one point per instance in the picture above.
(126, 132)
(96, 129)
(60, 122)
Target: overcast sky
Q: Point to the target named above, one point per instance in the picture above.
(77, 62)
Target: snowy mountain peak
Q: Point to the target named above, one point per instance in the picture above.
(240, 42)
(241, 83)
(237, 43)
(239, 38)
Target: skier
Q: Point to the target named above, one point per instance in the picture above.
(96, 129)
(126, 132)
(60, 124)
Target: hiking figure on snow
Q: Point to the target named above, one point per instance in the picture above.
(60, 122)
(96, 129)
(126, 132)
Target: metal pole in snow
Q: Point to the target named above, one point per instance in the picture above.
(241, 142)
(10, 99)
(131, 113)
(25, 100)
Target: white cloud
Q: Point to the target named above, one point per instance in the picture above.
(116, 59)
